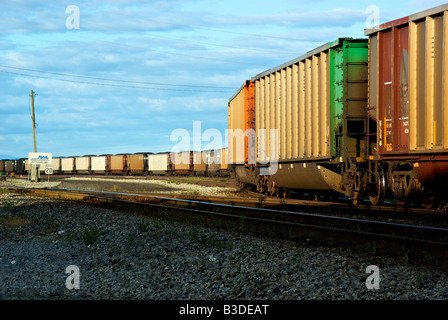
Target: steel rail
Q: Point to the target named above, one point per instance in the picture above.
(292, 224)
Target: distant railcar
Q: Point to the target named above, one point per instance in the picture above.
(2, 167)
(213, 161)
(100, 164)
(10, 166)
(159, 164)
(182, 162)
(136, 164)
(55, 165)
(68, 165)
(118, 164)
(224, 171)
(199, 163)
(20, 166)
(83, 165)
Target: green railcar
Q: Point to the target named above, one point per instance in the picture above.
(348, 87)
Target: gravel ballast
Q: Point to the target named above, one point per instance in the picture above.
(127, 256)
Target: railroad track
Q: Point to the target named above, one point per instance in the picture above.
(268, 217)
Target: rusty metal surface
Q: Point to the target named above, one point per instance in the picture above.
(136, 162)
(117, 163)
(408, 73)
(183, 162)
(241, 118)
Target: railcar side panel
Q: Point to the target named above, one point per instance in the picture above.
(316, 103)
(241, 125)
(136, 163)
(55, 165)
(2, 166)
(68, 165)
(408, 71)
(99, 164)
(9, 166)
(159, 163)
(20, 166)
(82, 164)
(117, 164)
(182, 162)
(199, 163)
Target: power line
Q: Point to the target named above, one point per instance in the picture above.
(116, 80)
(108, 84)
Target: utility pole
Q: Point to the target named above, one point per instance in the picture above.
(35, 176)
(34, 121)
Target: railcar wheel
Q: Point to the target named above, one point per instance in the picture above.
(379, 191)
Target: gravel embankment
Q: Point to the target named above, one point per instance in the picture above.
(128, 184)
(124, 256)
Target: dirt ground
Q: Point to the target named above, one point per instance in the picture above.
(154, 184)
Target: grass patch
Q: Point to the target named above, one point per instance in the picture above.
(14, 222)
(8, 205)
(90, 235)
(204, 239)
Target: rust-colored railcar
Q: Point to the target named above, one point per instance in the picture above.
(241, 125)
(118, 164)
(199, 163)
(136, 164)
(182, 162)
(408, 99)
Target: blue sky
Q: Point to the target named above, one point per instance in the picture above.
(135, 71)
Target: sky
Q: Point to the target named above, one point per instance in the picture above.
(128, 76)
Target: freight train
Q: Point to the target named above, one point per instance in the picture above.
(362, 117)
(366, 118)
(186, 163)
